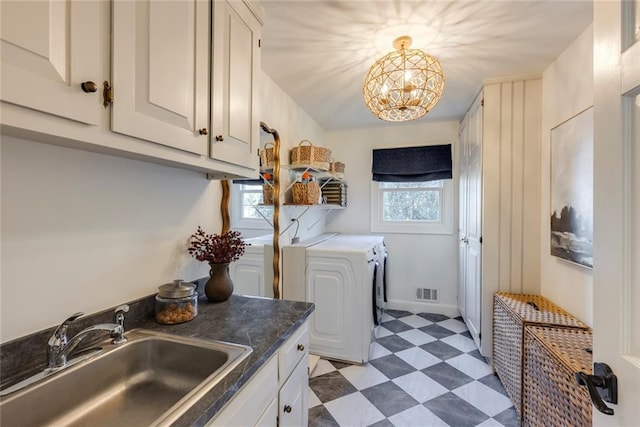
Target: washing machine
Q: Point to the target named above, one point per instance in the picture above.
(252, 274)
(341, 276)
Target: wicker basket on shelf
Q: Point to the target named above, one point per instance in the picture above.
(307, 193)
(551, 394)
(511, 313)
(310, 155)
(267, 194)
(336, 169)
(266, 156)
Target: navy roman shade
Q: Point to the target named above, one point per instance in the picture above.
(412, 164)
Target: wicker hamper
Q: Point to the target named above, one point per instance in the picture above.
(307, 193)
(551, 394)
(511, 313)
(310, 155)
(266, 156)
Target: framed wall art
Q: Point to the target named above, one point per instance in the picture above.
(572, 189)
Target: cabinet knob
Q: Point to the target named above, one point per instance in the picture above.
(287, 409)
(89, 87)
(300, 347)
(219, 138)
(204, 131)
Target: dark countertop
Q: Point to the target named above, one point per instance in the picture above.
(264, 324)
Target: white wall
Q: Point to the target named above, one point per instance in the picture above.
(84, 231)
(567, 89)
(420, 260)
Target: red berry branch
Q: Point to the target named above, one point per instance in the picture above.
(217, 248)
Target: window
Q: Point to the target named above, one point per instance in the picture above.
(412, 207)
(247, 210)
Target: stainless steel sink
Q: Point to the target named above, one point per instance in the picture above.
(150, 380)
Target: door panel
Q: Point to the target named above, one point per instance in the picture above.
(50, 48)
(616, 272)
(160, 72)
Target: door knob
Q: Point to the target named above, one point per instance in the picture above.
(89, 87)
(204, 131)
(602, 385)
(219, 138)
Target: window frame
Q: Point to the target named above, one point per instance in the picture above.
(443, 226)
(236, 211)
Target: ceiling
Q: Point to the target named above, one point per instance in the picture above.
(319, 51)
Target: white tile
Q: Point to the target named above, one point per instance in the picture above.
(418, 416)
(353, 410)
(416, 337)
(382, 332)
(419, 386)
(313, 399)
(484, 398)
(387, 318)
(322, 367)
(363, 376)
(377, 351)
(415, 321)
(418, 358)
(470, 366)
(453, 325)
(460, 342)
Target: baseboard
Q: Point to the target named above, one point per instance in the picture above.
(423, 307)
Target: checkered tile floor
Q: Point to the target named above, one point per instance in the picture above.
(425, 370)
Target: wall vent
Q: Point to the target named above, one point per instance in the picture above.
(426, 294)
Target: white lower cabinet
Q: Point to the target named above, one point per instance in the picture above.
(278, 394)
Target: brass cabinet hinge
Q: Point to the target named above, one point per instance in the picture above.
(107, 94)
(259, 42)
(482, 102)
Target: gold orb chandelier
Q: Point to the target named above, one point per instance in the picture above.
(403, 85)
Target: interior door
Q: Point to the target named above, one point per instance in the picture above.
(616, 272)
(474, 220)
(462, 221)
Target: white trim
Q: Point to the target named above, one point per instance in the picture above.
(423, 307)
(444, 226)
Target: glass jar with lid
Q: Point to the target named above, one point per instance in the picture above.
(176, 302)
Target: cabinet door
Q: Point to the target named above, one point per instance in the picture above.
(160, 72)
(48, 49)
(294, 396)
(235, 66)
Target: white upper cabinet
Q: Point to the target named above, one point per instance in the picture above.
(49, 48)
(235, 63)
(160, 72)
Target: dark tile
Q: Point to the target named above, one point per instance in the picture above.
(331, 386)
(459, 318)
(320, 417)
(455, 411)
(382, 423)
(339, 365)
(388, 398)
(392, 366)
(508, 418)
(433, 317)
(440, 349)
(398, 313)
(436, 331)
(493, 381)
(477, 355)
(394, 343)
(396, 326)
(447, 376)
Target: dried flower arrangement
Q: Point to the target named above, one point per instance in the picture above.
(217, 248)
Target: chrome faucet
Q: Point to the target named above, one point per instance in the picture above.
(59, 346)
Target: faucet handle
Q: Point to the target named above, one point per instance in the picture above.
(59, 336)
(124, 308)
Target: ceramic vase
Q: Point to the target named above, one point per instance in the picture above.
(219, 287)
